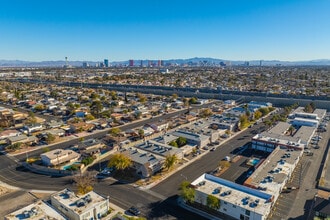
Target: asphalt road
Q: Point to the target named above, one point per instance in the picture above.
(152, 204)
(206, 163)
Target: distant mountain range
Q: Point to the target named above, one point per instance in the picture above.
(191, 61)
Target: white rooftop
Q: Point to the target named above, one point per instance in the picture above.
(37, 210)
(78, 204)
(245, 197)
(272, 173)
(60, 153)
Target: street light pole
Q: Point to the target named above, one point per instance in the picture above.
(27, 156)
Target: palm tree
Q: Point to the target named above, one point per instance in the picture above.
(170, 161)
(291, 130)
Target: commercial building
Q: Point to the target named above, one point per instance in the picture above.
(145, 164)
(237, 201)
(297, 122)
(59, 156)
(278, 136)
(36, 211)
(193, 138)
(275, 171)
(161, 149)
(75, 207)
(106, 63)
(131, 63)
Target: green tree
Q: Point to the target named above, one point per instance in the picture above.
(224, 164)
(173, 143)
(244, 121)
(120, 161)
(96, 107)
(206, 112)
(87, 160)
(31, 118)
(94, 96)
(141, 133)
(113, 95)
(50, 138)
(170, 161)
(187, 192)
(115, 132)
(14, 147)
(312, 104)
(257, 114)
(142, 98)
(308, 108)
(291, 130)
(185, 102)
(264, 111)
(193, 100)
(174, 96)
(268, 123)
(39, 107)
(181, 141)
(45, 149)
(212, 202)
(89, 117)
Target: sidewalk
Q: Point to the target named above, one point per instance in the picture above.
(182, 204)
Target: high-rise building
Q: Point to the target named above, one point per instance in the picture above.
(106, 63)
(159, 63)
(131, 62)
(85, 65)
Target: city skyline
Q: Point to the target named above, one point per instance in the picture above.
(230, 30)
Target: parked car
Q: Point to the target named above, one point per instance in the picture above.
(134, 211)
(212, 149)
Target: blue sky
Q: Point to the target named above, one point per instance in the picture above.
(153, 29)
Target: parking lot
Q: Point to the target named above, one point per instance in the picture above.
(239, 171)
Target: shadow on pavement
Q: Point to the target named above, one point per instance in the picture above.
(307, 211)
(169, 209)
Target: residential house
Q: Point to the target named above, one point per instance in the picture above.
(9, 133)
(90, 147)
(21, 139)
(158, 126)
(81, 126)
(28, 129)
(59, 156)
(57, 132)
